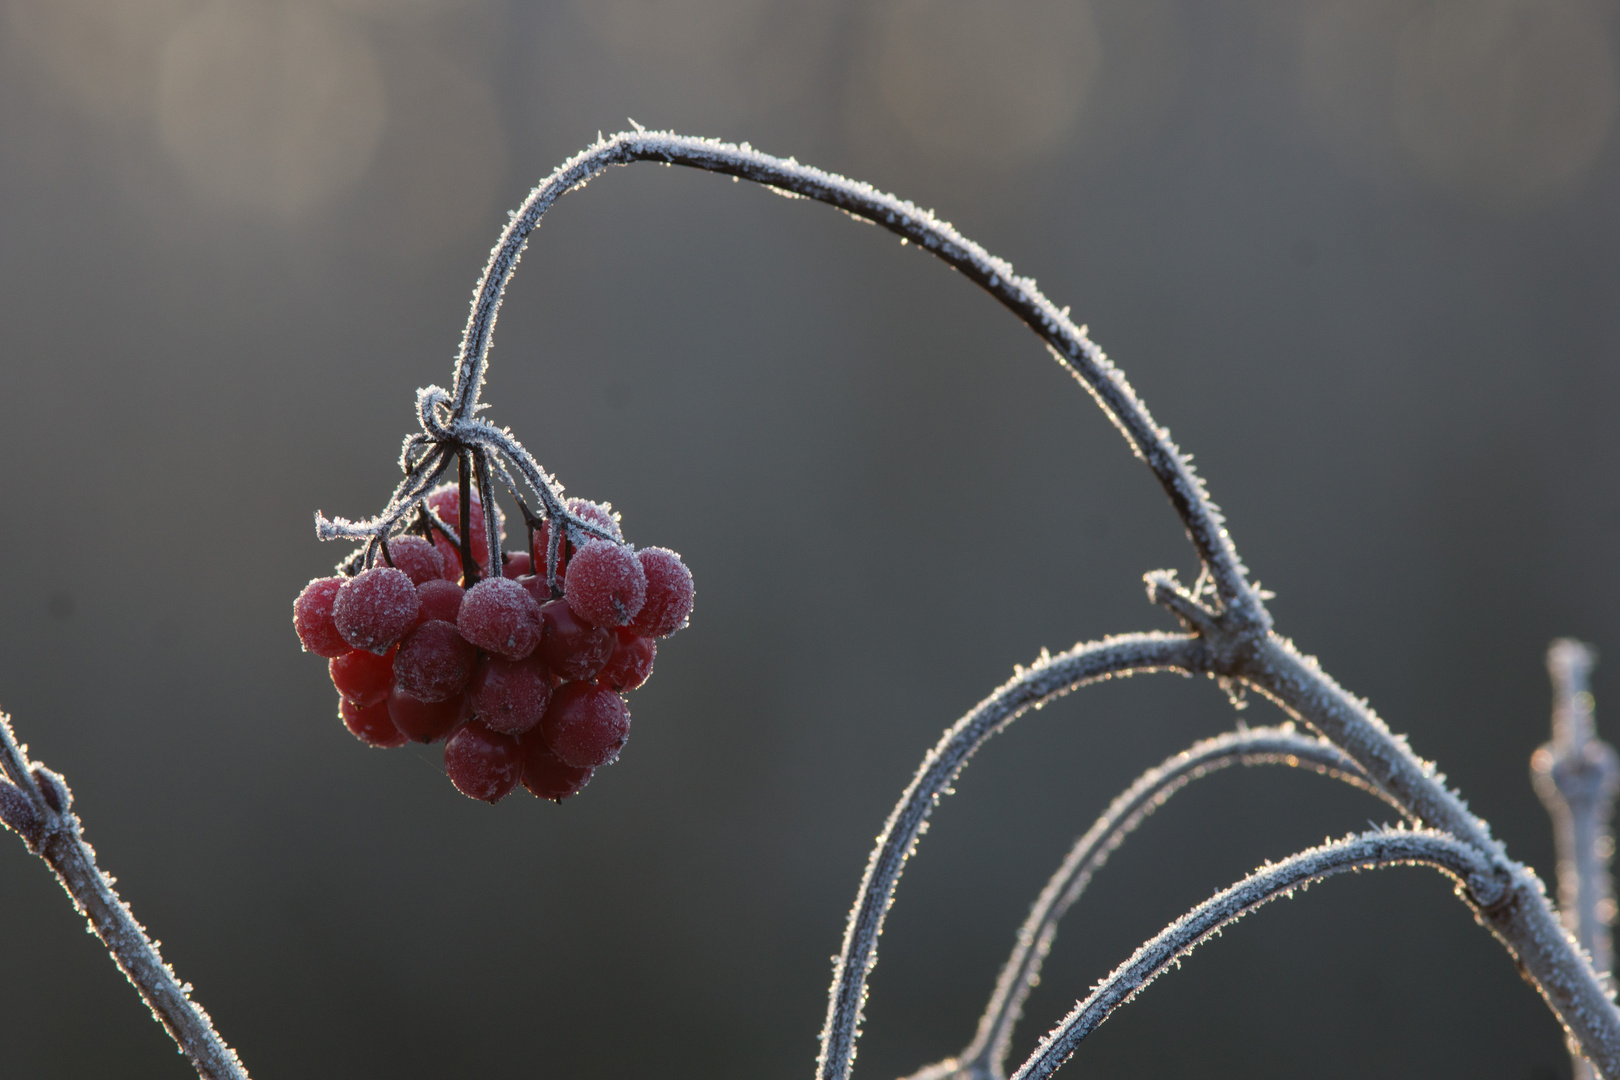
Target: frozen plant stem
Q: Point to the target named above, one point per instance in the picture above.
(986, 1056)
(1576, 775)
(1474, 874)
(38, 806)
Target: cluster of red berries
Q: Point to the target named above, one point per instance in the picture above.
(525, 686)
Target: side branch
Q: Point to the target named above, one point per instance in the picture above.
(1068, 342)
(1576, 775)
(1371, 850)
(38, 806)
(1522, 920)
(986, 1056)
(1050, 678)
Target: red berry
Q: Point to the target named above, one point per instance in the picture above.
(449, 555)
(572, 648)
(498, 615)
(375, 608)
(439, 600)
(517, 564)
(669, 593)
(510, 695)
(631, 662)
(434, 662)
(605, 583)
(544, 773)
(597, 514)
(426, 721)
(586, 725)
(371, 724)
(483, 764)
(312, 618)
(537, 555)
(362, 677)
(416, 557)
(445, 501)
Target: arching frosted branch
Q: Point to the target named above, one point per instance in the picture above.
(985, 1057)
(1068, 342)
(1398, 847)
(1051, 677)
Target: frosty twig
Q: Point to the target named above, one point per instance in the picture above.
(52, 833)
(986, 1056)
(1576, 775)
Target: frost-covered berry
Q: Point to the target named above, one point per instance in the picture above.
(439, 600)
(449, 555)
(371, 724)
(498, 615)
(312, 618)
(434, 662)
(375, 608)
(605, 583)
(597, 514)
(545, 774)
(417, 558)
(631, 662)
(669, 593)
(426, 721)
(483, 764)
(586, 725)
(362, 677)
(517, 564)
(510, 695)
(537, 556)
(445, 501)
(571, 647)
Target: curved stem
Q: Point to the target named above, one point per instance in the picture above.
(53, 834)
(986, 1056)
(1051, 677)
(1069, 343)
(1398, 847)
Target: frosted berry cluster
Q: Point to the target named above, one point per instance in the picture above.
(523, 685)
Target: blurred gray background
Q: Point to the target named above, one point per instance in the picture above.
(1360, 256)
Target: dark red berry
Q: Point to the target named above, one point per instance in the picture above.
(597, 514)
(450, 556)
(669, 593)
(439, 600)
(605, 583)
(518, 563)
(631, 662)
(362, 677)
(498, 615)
(544, 773)
(434, 662)
(375, 608)
(416, 557)
(586, 725)
(483, 764)
(371, 724)
(446, 502)
(510, 695)
(537, 555)
(426, 721)
(312, 618)
(571, 647)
